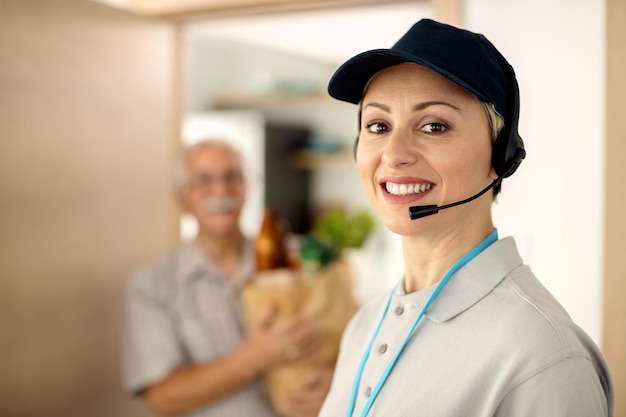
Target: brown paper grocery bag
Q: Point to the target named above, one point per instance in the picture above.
(325, 297)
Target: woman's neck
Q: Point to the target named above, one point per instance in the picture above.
(428, 258)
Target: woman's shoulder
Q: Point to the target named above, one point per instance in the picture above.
(533, 319)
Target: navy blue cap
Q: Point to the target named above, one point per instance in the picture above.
(466, 58)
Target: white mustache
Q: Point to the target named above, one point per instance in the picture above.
(220, 205)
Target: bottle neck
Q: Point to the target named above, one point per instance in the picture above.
(270, 245)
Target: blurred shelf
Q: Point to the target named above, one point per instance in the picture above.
(276, 100)
(307, 159)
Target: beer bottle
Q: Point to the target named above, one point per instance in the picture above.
(270, 245)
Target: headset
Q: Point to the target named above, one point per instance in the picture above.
(508, 148)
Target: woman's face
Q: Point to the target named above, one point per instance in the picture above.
(423, 140)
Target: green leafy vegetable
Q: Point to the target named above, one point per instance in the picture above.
(333, 232)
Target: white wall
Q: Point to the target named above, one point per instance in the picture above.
(554, 203)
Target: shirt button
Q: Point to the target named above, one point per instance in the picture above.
(399, 310)
(368, 391)
(382, 348)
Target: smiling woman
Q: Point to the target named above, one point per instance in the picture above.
(443, 127)
(427, 137)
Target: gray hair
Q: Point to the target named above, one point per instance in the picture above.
(181, 174)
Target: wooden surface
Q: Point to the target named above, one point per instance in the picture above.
(614, 320)
(88, 113)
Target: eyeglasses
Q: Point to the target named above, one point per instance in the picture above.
(206, 180)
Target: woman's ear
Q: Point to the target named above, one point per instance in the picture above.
(492, 173)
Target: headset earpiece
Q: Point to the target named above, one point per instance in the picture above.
(508, 149)
(508, 153)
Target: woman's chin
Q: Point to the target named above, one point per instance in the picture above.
(402, 225)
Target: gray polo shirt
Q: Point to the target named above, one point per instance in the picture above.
(180, 310)
(494, 343)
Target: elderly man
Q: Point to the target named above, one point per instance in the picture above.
(186, 349)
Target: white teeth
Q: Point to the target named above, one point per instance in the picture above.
(406, 189)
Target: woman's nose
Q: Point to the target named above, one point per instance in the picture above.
(399, 150)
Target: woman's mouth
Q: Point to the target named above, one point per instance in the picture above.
(406, 189)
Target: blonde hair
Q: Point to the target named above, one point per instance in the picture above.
(496, 122)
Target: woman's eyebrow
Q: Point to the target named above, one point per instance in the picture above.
(379, 106)
(417, 107)
(422, 106)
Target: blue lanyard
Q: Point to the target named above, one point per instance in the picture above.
(493, 236)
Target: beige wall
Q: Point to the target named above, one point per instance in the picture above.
(614, 341)
(88, 121)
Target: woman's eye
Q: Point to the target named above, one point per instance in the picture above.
(434, 127)
(377, 127)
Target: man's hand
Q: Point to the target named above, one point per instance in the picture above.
(309, 402)
(276, 343)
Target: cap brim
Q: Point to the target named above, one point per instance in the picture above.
(349, 81)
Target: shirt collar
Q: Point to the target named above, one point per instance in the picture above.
(193, 263)
(470, 283)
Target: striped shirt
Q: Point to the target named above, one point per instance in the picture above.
(182, 310)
